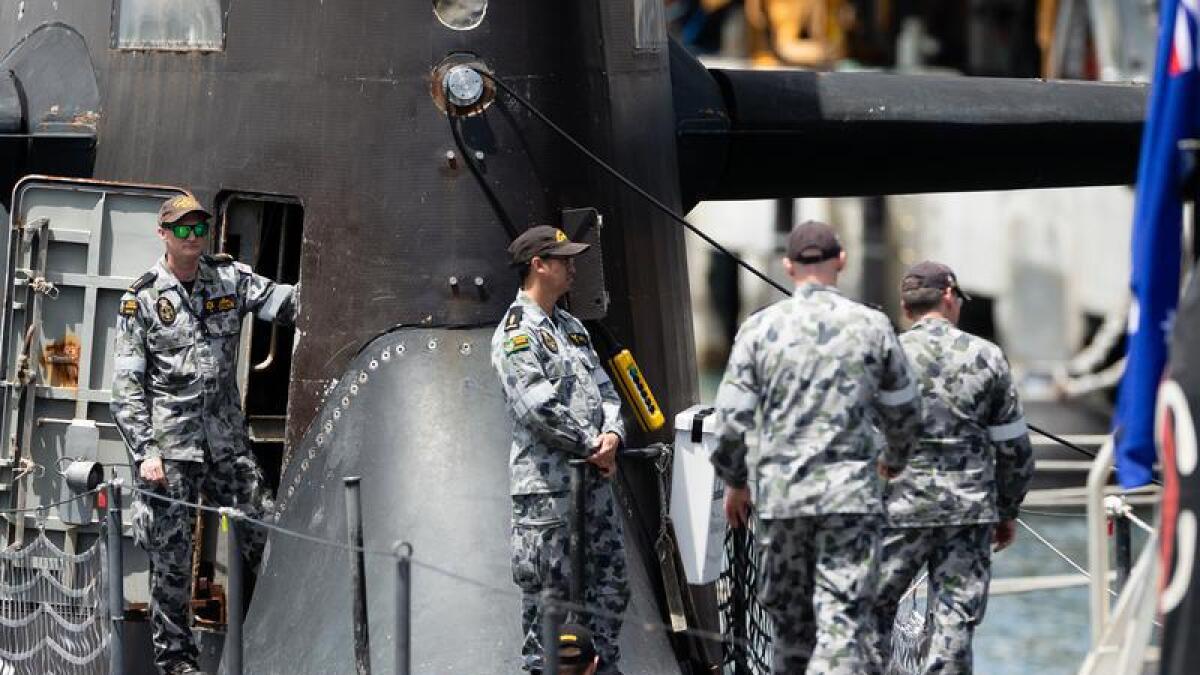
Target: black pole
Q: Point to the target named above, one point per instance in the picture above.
(1124, 550)
(578, 528)
(234, 604)
(358, 575)
(1189, 149)
(551, 620)
(403, 609)
(116, 581)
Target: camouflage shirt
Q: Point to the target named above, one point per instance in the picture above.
(175, 383)
(815, 376)
(973, 462)
(557, 391)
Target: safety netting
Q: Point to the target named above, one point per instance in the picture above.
(53, 617)
(747, 626)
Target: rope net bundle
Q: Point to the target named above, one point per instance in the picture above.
(53, 610)
(745, 622)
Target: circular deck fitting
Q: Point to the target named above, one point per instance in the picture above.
(461, 87)
(460, 14)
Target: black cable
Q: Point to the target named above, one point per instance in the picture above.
(476, 171)
(630, 184)
(1065, 443)
(47, 507)
(237, 514)
(1062, 441)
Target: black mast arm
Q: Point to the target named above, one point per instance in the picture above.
(757, 134)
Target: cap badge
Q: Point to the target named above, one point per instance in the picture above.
(559, 236)
(166, 311)
(185, 202)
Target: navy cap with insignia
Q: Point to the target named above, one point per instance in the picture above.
(542, 241)
(575, 645)
(177, 207)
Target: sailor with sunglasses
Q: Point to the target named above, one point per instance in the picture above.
(175, 401)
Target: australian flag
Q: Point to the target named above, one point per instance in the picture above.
(1174, 115)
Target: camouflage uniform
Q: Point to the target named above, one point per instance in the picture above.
(821, 374)
(971, 468)
(561, 400)
(175, 397)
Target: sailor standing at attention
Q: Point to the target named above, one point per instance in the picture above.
(823, 373)
(564, 407)
(175, 400)
(965, 480)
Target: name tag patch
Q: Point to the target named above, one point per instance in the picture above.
(224, 303)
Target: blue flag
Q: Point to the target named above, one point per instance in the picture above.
(1173, 116)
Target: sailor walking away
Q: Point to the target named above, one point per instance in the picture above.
(966, 479)
(823, 373)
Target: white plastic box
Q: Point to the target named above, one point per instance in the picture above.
(697, 494)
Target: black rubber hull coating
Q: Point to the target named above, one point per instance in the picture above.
(427, 431)
(767, 134)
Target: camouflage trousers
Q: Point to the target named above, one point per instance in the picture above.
(166, 529)
(959, 560)
(817, 581)
(541, 561)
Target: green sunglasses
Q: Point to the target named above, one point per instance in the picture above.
(182, 231)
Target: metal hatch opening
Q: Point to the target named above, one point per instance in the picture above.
(265, 232)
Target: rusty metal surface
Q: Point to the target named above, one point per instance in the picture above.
(49, 104)
(58, 86)
(60, 362)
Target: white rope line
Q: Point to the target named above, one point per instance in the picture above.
(1060, 554)
(915, 585)
(1128, 513)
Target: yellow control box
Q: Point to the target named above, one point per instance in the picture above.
(636, 392)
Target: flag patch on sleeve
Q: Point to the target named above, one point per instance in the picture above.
(516, 343)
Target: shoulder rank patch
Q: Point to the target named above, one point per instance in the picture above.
(221, 304)
(143, 281)
(220, 259)
(548, 340)
(166, 311)
(578, 339)
(513, 320)
(129, 307)
(517, 343)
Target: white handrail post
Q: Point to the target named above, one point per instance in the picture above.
(1098, 540)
